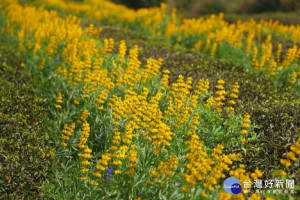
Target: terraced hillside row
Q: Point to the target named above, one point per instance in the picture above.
(267, 46)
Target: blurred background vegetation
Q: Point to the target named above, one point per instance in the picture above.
(215, 6)
(287, 11)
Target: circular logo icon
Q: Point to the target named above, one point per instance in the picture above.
(232, 185)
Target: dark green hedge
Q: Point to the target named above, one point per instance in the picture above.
(139, 3)
(22, 138)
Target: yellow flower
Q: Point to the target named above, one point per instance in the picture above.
(285, 162)
(149, 182)
(281, 173)
(243, 140)
(186, 189)
(76, 101)
(85, 162)
(255, 196)
(203, 194)
(291, 156)
(258, 173)
(87, 150)
(94, 183)
(63, 144)
(130, 172)
(84, 170)
(59, 99)
(269, 198)
(100, 167)
(97, 174)
(244, 132)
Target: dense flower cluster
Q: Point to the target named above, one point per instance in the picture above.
(212, 32)
(67, 133)
(291, 155)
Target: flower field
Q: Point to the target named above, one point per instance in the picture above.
(145, 104)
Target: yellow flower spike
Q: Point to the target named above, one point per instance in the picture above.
(83, 178)
(76, 101)
(269, 198)
(85, 162)
(97, 174)
(209, 102)
(258, 173)
(130, 172)
(100, 167)
(149, 182)
(58, 106)
(293, 78)
(130, 181)
(122, 50)
(243, 140)
(281, 173)
(213, 49)
(84, 115)
(63, 144)
(244, 132)
(94, 183)
(87, 150)
(203, 194)
(65, 137)
(84, 170)
(255, 196)
(155, 174)
(186, 189)
(285, 163)
(245, 125)
(197, 45)
(59, 98)
(219, 92)
(291, 156)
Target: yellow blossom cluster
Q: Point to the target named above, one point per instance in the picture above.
(212, 31)
(122, 50)
(245, 126)
(278, 53)
(166, 168)
(101, 99)
(233, 95)
(86, 154)
(67, 133)
(243, 176)
(108, 45)
(202, 86)
(179, 108)
(220, 93)
(92, 31)
(293, 78)
(59, 101)
(165, 80)
(291, 155)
